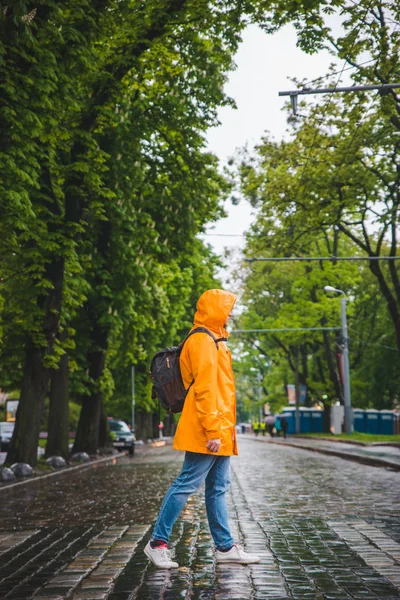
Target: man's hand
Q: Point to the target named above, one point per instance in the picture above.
(214, 445)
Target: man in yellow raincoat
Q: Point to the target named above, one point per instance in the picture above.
(206, 432)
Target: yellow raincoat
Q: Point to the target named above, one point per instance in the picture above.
(210, 406)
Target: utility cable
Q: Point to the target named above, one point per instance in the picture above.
(327, 104)
(375, 344)
(358, 126)
(371, 343)
(307, 83)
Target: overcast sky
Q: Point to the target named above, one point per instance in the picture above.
(265, 63)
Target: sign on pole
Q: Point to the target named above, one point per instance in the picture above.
(11, 410)
(291, 391)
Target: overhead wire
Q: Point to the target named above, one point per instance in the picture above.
(326, 106)
(349, 146)
(307, 83)
(371, 343)
(224, 234)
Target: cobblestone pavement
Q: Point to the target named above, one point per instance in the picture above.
(325, 528)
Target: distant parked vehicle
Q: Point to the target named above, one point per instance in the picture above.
(124, 438)
(6, 432)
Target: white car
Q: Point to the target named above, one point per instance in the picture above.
(123, 437)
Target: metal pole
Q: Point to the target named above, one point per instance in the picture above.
(354, 88)
(348, 413)
(318, 258)
(297, 390)
(259, 395)
(285, 329)
(133, 399)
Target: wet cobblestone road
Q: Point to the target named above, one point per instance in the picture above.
(325, 528)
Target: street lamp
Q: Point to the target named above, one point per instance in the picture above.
(259, 380)
(133, 399)
(348, 413)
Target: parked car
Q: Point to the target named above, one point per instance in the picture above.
(124, 438)
(6, 431)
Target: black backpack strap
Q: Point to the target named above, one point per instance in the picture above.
(200, 330)
(203, 330)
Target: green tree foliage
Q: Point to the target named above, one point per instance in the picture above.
(133, 97)
(106, 182)
(332, 189)
(291, 295)
(104, 109)
(339, 175)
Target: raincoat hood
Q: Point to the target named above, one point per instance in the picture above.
(213, 309)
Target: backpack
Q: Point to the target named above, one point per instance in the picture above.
(165, 372)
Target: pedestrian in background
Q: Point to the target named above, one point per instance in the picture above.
(256, 427)
(270, 423)
(206, 432)
(284, 424)
(278, 425)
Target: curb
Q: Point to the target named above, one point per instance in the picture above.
(333, 440)
(39, 479)
(342, 441)
(366, 460)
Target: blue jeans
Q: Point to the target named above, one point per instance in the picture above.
(214, 470)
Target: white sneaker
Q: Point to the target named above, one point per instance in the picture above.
(236, 555)
(160, 557)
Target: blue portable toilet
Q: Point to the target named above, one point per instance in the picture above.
(372, 420)
(359, 420)
(317, 425)
(305, 420)
(386, 422)
(290, 414)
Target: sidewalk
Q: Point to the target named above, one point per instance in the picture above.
(375, 455)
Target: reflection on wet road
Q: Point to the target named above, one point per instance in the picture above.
(325, 528)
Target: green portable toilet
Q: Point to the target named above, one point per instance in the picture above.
(359, 420)
(386, 422)
(372, 420)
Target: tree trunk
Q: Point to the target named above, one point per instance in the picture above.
(104, 438)
(392, 304)
(34, 389)
(35, 378)
(326, 417)
(333, 373)
(144, 425)
(88, 432)
(58, 425)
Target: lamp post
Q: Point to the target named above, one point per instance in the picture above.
(133, 399)
(348, 413)
(259, 390)
(260, 411)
